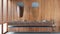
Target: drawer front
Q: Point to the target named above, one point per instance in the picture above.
(31, 29)
(13, 29)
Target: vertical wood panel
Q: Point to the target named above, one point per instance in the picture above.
(4, 11)
(5, 15)
(0, 11)
(43, 12)
(15, 10)
(12, 9)
(9, 11)
(57, 12)
(1, 28)
(48, 10)
(40, 10)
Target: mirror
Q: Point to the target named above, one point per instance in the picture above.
(20, 9)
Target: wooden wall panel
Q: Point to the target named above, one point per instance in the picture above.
(5, 15)
(4, 11)
(0, 11)
(9, 11)
(48, 10)
(26, 10)
(34, 11)
(57, 12)
(1, 17)
(39, 18)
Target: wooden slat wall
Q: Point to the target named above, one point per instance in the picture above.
(0, 11)
(5, 15)
(57, 12)
(1, 17)
(44, 11)
(48, 9)
(4, 11)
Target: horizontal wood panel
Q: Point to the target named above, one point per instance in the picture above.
(13, 29)
(30, 29)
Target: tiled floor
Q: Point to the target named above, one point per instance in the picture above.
(29, 33)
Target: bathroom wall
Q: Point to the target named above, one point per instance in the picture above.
(48, 10)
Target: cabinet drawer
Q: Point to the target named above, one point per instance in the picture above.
(31, 29)
(35, 29)
(13, 29)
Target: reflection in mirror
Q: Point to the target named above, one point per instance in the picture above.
(20, 9)
(35, 4)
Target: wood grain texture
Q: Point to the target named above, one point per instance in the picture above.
(44, 11)
(30, 29)
(0, 11)
(5, 11)
(5, 15)
(48, 10)
(1, 22)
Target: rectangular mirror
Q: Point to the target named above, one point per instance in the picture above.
(20, 8)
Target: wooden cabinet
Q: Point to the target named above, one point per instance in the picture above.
(13, 29)
(30, 29)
